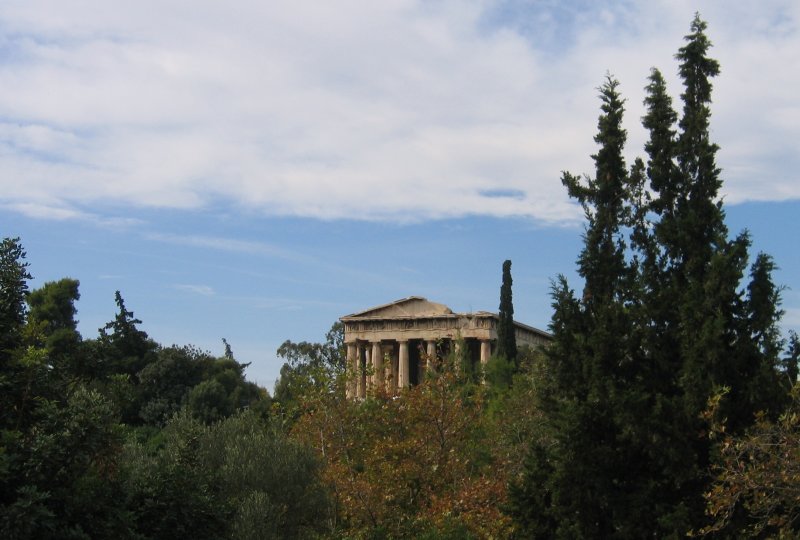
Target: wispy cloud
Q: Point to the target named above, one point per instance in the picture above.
(230, 244)
(62, 213)
(203, 290)
(400, 111)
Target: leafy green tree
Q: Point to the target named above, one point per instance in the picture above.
(14, 278)
(311, 370)
(506, 334)
(51, 315)
(698, 324)
(165, 383)
(238, 478)
(498, 374)
(60, 478)
(58, 439)
(757, 475)
(413, 466)
(272, 481)
(209, 401)
(238, 392)
(62, 474)
(169, 492)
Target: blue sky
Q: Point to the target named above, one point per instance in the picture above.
(255, 170)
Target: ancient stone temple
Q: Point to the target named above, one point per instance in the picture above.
(391, 346)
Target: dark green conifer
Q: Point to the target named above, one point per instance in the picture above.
(506, 335)
(123, 346)
(580, 484)
(661, 324)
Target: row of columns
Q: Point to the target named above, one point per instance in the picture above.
(374, 374)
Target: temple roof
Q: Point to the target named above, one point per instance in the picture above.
(417, 307)
(413, 306)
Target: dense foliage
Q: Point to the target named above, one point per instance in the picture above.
(118, 436)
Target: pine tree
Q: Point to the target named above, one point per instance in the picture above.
(126, 348)
(506, 335)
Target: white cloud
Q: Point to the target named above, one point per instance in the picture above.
(394, 110)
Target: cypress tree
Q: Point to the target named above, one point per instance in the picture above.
(760, 344)
(580, 484)
(506, 335)
(661, 324)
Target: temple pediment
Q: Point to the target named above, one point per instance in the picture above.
(413, 306)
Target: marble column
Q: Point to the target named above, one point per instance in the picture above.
(362, 375)
(377, 365)
(394, 371)
(388, 355)
(422, 364)
(369, 370)
(352, 371)
(486, 351)
(430, 347)
(402, 379)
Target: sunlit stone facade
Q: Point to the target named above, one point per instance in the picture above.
(391, 346)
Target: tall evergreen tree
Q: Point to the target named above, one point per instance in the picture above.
(506, 335)
(661, 324)
(124, 347)
(589, 472)
(700, 330)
